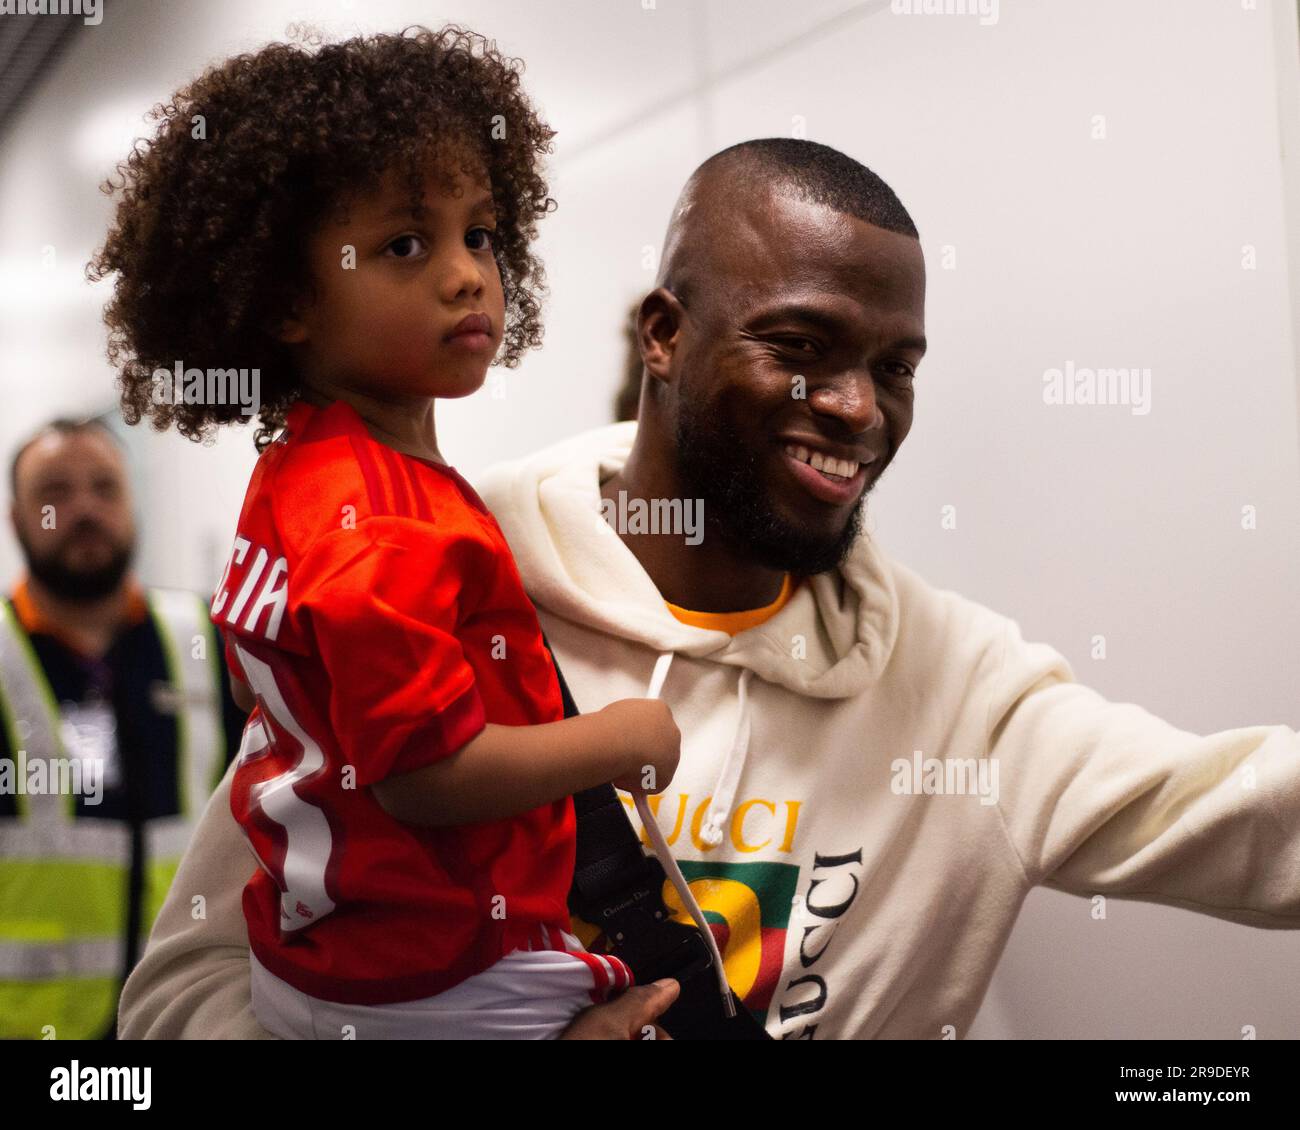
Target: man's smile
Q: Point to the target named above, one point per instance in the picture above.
(826, 477)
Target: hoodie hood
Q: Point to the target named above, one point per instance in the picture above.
(832, 639)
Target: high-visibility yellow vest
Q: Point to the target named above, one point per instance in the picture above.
(64, 878)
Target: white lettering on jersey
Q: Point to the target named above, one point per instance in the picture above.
(246, 589)
(236, 558)
(308, 843)
(271, 596)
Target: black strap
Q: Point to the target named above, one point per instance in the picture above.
(619, 888)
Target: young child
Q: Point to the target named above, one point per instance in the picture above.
(353, 222)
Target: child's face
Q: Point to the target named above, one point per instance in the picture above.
(381, 320)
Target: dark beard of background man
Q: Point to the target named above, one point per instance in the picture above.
(716, 466)
(76, 585)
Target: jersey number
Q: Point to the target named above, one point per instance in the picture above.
(307, 839)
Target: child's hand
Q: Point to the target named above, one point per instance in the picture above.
(644, 729)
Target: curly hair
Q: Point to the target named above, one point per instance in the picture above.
(209, 240)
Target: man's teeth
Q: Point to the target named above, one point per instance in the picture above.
(843, 468)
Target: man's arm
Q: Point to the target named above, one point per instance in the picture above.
(1105, 798)
(193, 981)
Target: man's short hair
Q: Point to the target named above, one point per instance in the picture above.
(64, 425)
(821, 175)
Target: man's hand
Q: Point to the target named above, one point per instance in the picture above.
(630, 1017)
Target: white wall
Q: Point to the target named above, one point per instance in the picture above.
(1079, 521)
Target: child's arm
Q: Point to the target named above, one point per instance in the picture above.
(507, 770)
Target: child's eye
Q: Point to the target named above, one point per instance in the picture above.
(406, 247)
(480, 239)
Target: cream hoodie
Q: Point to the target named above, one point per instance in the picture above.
(871, 782)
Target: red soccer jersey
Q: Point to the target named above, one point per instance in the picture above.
(373, 607)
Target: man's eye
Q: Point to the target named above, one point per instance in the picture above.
(480, 239)
(406, 247)
(900, 371)
(801, 345)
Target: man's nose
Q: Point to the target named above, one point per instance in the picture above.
(850, 399)
(83, 503)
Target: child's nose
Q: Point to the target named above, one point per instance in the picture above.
(461, 278)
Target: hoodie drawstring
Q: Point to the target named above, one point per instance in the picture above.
(724, 793)
(729, 778)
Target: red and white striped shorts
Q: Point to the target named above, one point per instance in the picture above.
(530, 994)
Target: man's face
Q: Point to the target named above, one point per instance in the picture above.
(72, 514)
(800, 349)
(381, 319)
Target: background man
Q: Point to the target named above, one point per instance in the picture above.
(117, 723)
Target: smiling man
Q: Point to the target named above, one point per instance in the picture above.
(874, 773)
(780, 347)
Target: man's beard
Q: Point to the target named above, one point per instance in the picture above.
(80, 586)
(715, 465)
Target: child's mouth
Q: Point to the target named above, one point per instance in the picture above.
(471, 341)
(472, 332)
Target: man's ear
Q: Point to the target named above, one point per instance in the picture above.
(658, 331)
